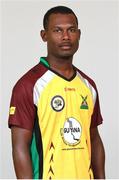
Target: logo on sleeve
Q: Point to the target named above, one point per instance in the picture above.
(84, 104)
(57, 103)
(12, 110)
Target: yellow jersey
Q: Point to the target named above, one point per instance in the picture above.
(60, 113)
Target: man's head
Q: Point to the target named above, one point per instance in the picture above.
(57, 10)
(61, 32)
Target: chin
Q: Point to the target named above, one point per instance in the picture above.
(66, 54)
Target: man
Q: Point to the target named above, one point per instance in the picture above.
(54, 111)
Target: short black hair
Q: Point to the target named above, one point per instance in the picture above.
(55, 10)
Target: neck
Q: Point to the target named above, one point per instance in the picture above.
(61, 65)
(57, 63)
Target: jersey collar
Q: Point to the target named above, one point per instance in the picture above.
(44, 62)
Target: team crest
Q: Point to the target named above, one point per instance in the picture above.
(84, 104)
(57, 103)
(71, 132)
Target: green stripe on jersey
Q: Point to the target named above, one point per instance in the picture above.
(44, 61)
(35, 158)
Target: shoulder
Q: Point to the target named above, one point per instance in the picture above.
(28, 80)
(96, 117)
(88, 80)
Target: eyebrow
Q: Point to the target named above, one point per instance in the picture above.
(60, 26)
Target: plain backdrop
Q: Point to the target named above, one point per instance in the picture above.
(21, 22)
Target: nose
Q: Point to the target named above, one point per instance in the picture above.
(65, 35)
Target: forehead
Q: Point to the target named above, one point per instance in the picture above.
(61, 20)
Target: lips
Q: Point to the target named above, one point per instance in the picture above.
(65, 46)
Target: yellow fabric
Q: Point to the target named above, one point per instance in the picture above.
(65, 156)
(12, 110)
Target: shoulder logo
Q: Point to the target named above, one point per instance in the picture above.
(12, 110)
(57, 103)
(84, 104)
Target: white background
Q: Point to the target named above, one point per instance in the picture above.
(97, 57)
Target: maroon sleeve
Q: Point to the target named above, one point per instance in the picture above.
(22, 109)
(96, 118)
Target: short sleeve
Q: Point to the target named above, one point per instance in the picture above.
(22, 109)
(96, 118)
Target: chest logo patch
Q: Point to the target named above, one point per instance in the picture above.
(84, 104)
(71, 132)
(57, 103)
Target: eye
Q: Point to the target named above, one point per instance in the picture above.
(57, 30)
(73, 30)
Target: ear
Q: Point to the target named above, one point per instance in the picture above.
(79, 33)
(43, 35)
